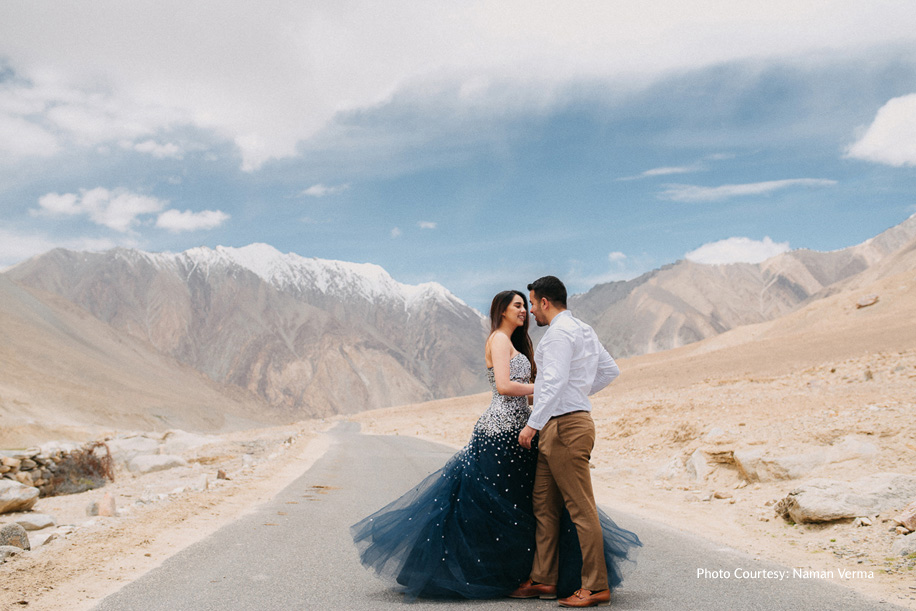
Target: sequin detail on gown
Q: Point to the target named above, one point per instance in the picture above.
(467, 530)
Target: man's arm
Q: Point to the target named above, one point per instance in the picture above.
(607, 371)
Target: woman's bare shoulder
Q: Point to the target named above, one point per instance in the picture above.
(498, 338)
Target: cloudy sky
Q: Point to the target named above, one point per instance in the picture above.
(477, 144)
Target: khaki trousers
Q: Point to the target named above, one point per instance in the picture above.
(563, 478)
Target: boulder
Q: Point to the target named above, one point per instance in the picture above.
(824, 500)
(672, 469)
(125, 449)
(178, 442)
(25, 478)
(907, 517)
(697, 467)
(107, 507)
(904, 545)
(157, 462)
(40, 538)
(9, 461)
(757, 466)
(866, 300)
(35, 521)
(15, 535)
(747, 462)
(16, 497)
(851, 448)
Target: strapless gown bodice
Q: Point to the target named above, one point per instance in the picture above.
(505, 413)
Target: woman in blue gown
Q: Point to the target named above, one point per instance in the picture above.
(467, 530)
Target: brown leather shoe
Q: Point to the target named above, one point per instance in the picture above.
(529, 589)
(587, 598)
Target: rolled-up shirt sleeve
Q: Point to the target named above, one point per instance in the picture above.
(553, 376)
(607, 371)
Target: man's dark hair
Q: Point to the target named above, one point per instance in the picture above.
(550, 287)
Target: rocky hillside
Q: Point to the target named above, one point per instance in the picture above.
(686, 302)
(308, 336)
(65, 374)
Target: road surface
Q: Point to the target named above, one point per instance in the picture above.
(295, 552)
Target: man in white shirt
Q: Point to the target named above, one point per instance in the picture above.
(572, 364)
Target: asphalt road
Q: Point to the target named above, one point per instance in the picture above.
(295, 552)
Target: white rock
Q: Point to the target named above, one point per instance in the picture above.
(824, 500)
(904, 545)
(757, 465)
(35, 521)
(672, 469)
(851, 448)
(16, 497)
(9, 550)
(125, 449)
(40, 538)
(747, 462)
(178, 442)
(156, 462)
(697, 467)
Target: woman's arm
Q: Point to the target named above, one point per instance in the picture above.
(501, 354)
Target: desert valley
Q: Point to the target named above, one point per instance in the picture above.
(769, 407)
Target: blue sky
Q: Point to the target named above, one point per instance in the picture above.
(479, 145)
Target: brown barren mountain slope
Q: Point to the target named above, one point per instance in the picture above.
(685, 302)
(66, 375)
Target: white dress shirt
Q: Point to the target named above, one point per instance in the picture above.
(572, 364)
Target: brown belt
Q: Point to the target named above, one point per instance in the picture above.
(568, 413)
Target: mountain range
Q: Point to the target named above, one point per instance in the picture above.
(215, 338)
(685, 302)
(309, 337)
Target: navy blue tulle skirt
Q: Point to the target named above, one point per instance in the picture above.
(467, 530)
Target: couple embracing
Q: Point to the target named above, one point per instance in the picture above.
(513, 512)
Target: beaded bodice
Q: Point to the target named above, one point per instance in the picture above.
(507, 413)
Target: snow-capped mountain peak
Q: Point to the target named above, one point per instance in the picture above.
(295, 273)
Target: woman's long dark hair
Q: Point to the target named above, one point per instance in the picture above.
(519, 337)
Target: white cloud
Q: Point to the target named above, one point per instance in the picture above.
(693, 193)
(321, 190)
(118, 209)
(157, 150)
(395, 233)
(666, 171)
(271, 74)
(737, 250)
(616, 257)
(426, 225)
(891, 138)
(176, 221)
(20, 138)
